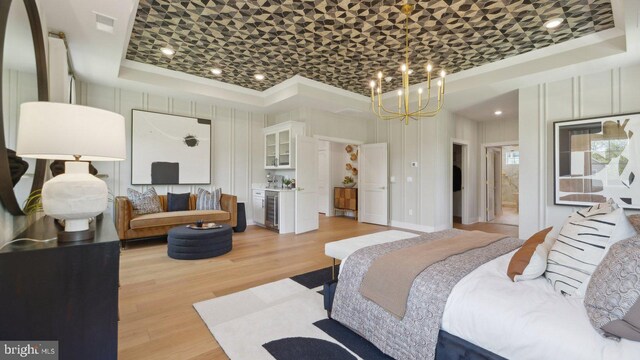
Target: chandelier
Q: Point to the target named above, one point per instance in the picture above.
(404, 111)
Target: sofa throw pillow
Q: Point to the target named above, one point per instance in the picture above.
(144, 203)
(530, 261)
(582, 243)
(612, 299)
(635, 221)
(208, 200)
(178, 202)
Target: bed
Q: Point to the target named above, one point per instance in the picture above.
(523, 320)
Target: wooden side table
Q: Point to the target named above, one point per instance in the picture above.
(345, 199)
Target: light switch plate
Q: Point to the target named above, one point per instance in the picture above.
(392, 179)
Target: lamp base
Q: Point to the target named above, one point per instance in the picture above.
(73, 236)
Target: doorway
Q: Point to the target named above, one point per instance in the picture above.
(502, 171)
(456, 179)
(460, 213)
(337, 160)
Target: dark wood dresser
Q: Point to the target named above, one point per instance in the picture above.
(66, 292)
(345, 199)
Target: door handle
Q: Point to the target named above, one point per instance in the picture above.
(383, 187)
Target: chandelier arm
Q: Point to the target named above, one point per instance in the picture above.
(396, 117)
(381, 106)
(432, 113)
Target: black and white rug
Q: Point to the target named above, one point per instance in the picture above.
(283, 320)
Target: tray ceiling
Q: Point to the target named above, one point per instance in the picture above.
(344, 43)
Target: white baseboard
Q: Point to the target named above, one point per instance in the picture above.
(410, 226)
(472, 221)
(442, 227)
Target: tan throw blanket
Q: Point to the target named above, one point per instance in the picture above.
(390, 277)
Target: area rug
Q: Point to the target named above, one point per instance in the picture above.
(282, 320)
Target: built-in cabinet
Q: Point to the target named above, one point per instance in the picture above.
(274, 209)
(279, 142)
(258, 206)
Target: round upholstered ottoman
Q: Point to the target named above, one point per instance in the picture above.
(191, 244)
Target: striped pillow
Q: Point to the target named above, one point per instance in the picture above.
(209, 200)
(582, 243)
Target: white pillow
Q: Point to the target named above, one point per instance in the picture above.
(538, 261)
(582, 243)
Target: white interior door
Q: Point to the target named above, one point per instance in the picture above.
(324, 182)
(306, 184)
(491, 184)
(373, 187)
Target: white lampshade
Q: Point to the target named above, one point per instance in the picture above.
(58, 131)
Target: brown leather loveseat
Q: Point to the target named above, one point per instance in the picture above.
(158, 224)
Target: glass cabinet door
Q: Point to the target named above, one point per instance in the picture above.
(284, 148)
(270, 150)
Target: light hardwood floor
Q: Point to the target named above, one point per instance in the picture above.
(157, 320)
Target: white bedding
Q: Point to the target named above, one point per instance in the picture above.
(525, 320)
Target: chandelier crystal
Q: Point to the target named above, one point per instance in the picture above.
(404, 110)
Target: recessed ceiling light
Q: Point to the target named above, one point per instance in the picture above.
(168, 51)
(553, 23)
(216, 71)
(259, 76)
(498, 112)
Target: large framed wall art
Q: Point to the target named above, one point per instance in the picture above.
(596, 159)
(169, 149)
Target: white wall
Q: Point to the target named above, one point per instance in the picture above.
(608, 92)
(343, 126)
(418, 194)
(237, 139)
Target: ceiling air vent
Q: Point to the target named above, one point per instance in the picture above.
(104, 23)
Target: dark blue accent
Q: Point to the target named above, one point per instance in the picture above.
(316, 278)
(351, 340)
(328, 292)
(300, 348)
(451, 347)
(190, 244)
(178, 202)
(241, 219)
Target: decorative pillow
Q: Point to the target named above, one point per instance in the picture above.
(144, 203)
(582, 243)
(530, 261)
(209, 200)
(612, 299)
(178, 202)
(635, 221)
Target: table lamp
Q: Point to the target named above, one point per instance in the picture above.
(58, 131)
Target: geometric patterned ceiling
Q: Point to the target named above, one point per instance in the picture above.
(344, 43)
